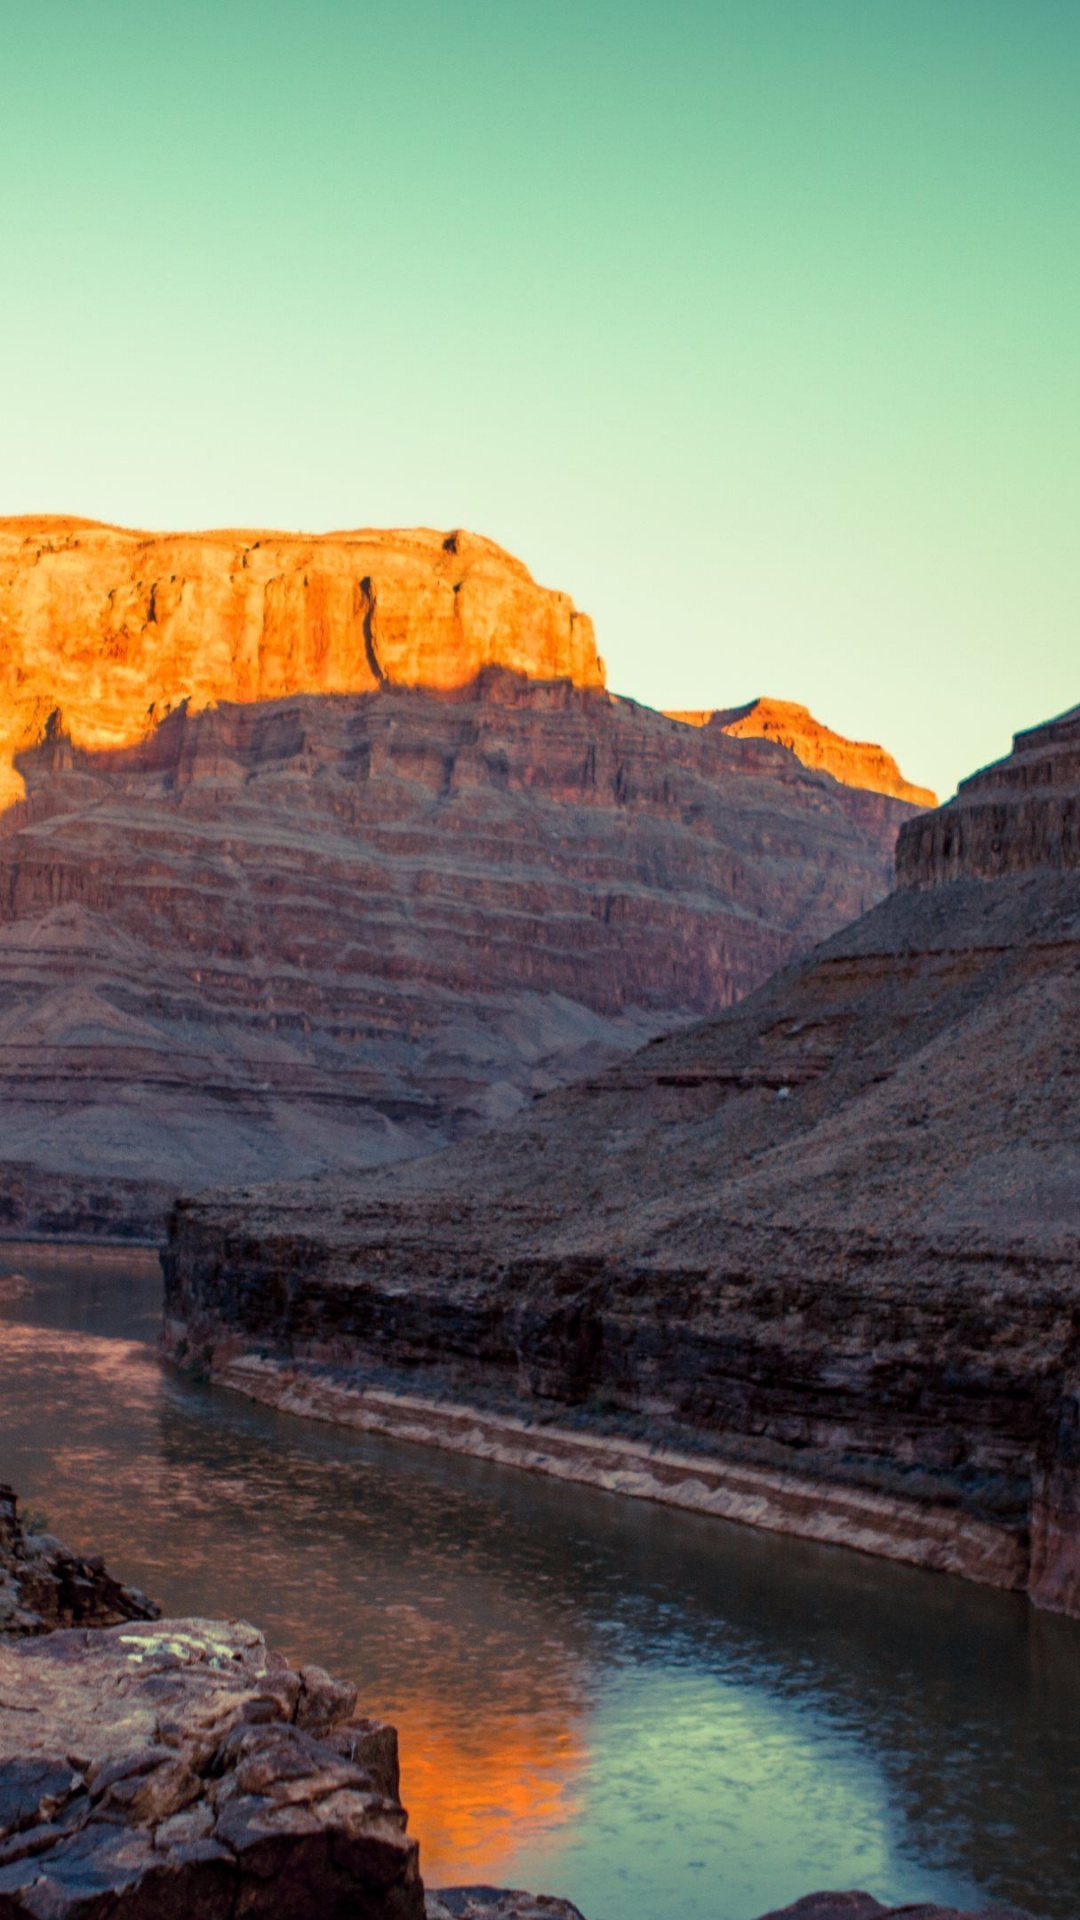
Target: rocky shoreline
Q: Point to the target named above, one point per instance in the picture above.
(701, 1481)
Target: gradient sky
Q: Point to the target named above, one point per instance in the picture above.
(753, 324)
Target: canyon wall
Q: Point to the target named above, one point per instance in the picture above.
(117, 628)
(268, 908)
(814, 1264)
(857, 763)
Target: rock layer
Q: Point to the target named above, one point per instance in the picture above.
(856, 763)
(829, 1241)
(326, 931)
(179, 1770)
(117, 628)
(43, 1585)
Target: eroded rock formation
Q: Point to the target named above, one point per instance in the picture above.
(327, 930)
(43, 1585)
(814, 1264)
(180, 1769)
(856, 763)
(117, 628)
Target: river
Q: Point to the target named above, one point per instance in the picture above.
(659, 1715)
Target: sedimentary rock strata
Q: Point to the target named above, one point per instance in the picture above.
(44, 1586)
(180, 1769)
(268, 909)
(117, 628)
(827, 1244)
(858, 763)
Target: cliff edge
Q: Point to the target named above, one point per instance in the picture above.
(116, 628)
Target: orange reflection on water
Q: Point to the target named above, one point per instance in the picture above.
(475, 1798)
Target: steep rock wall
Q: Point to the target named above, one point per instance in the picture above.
(116, 628)
(827, 1245)
(324, 931)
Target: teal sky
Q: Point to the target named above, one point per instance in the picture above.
(753, 324)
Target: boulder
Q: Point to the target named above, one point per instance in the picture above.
(180, 1771)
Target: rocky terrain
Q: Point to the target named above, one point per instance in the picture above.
(330, 850)
(858, 763)
(43, 1585)
(159, 1772)
(814, 1264)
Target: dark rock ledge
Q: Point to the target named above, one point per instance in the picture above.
(43, 1585)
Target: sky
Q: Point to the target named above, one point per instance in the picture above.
(752, 324)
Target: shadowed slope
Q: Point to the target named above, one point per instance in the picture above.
(327, 931)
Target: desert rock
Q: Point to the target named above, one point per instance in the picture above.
(328, 930)
(856, 763)
(158, 1772)
(117, 628)
(814, 1264)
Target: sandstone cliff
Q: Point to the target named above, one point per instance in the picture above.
(857, 763)
(117, 628)
(814, 1264)
(270, 907)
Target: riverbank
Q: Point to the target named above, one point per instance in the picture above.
(941, 1538)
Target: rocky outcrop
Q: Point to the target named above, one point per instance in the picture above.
(1015, 817)
(117, 628)
(814, 1264)
(856, 763)
(43, 1585)
(320, 932)
(167, 1771)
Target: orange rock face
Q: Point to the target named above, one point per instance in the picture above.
(117, 628)
(855, 763)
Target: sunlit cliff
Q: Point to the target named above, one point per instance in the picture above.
(117, 628)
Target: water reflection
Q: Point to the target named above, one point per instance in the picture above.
(650, 1711)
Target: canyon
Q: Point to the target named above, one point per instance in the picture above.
(813, 1264)
(322, 852)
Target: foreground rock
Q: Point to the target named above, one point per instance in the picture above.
(814, 1265)
(182, 1772)
(415, 866)
(43, 1585)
